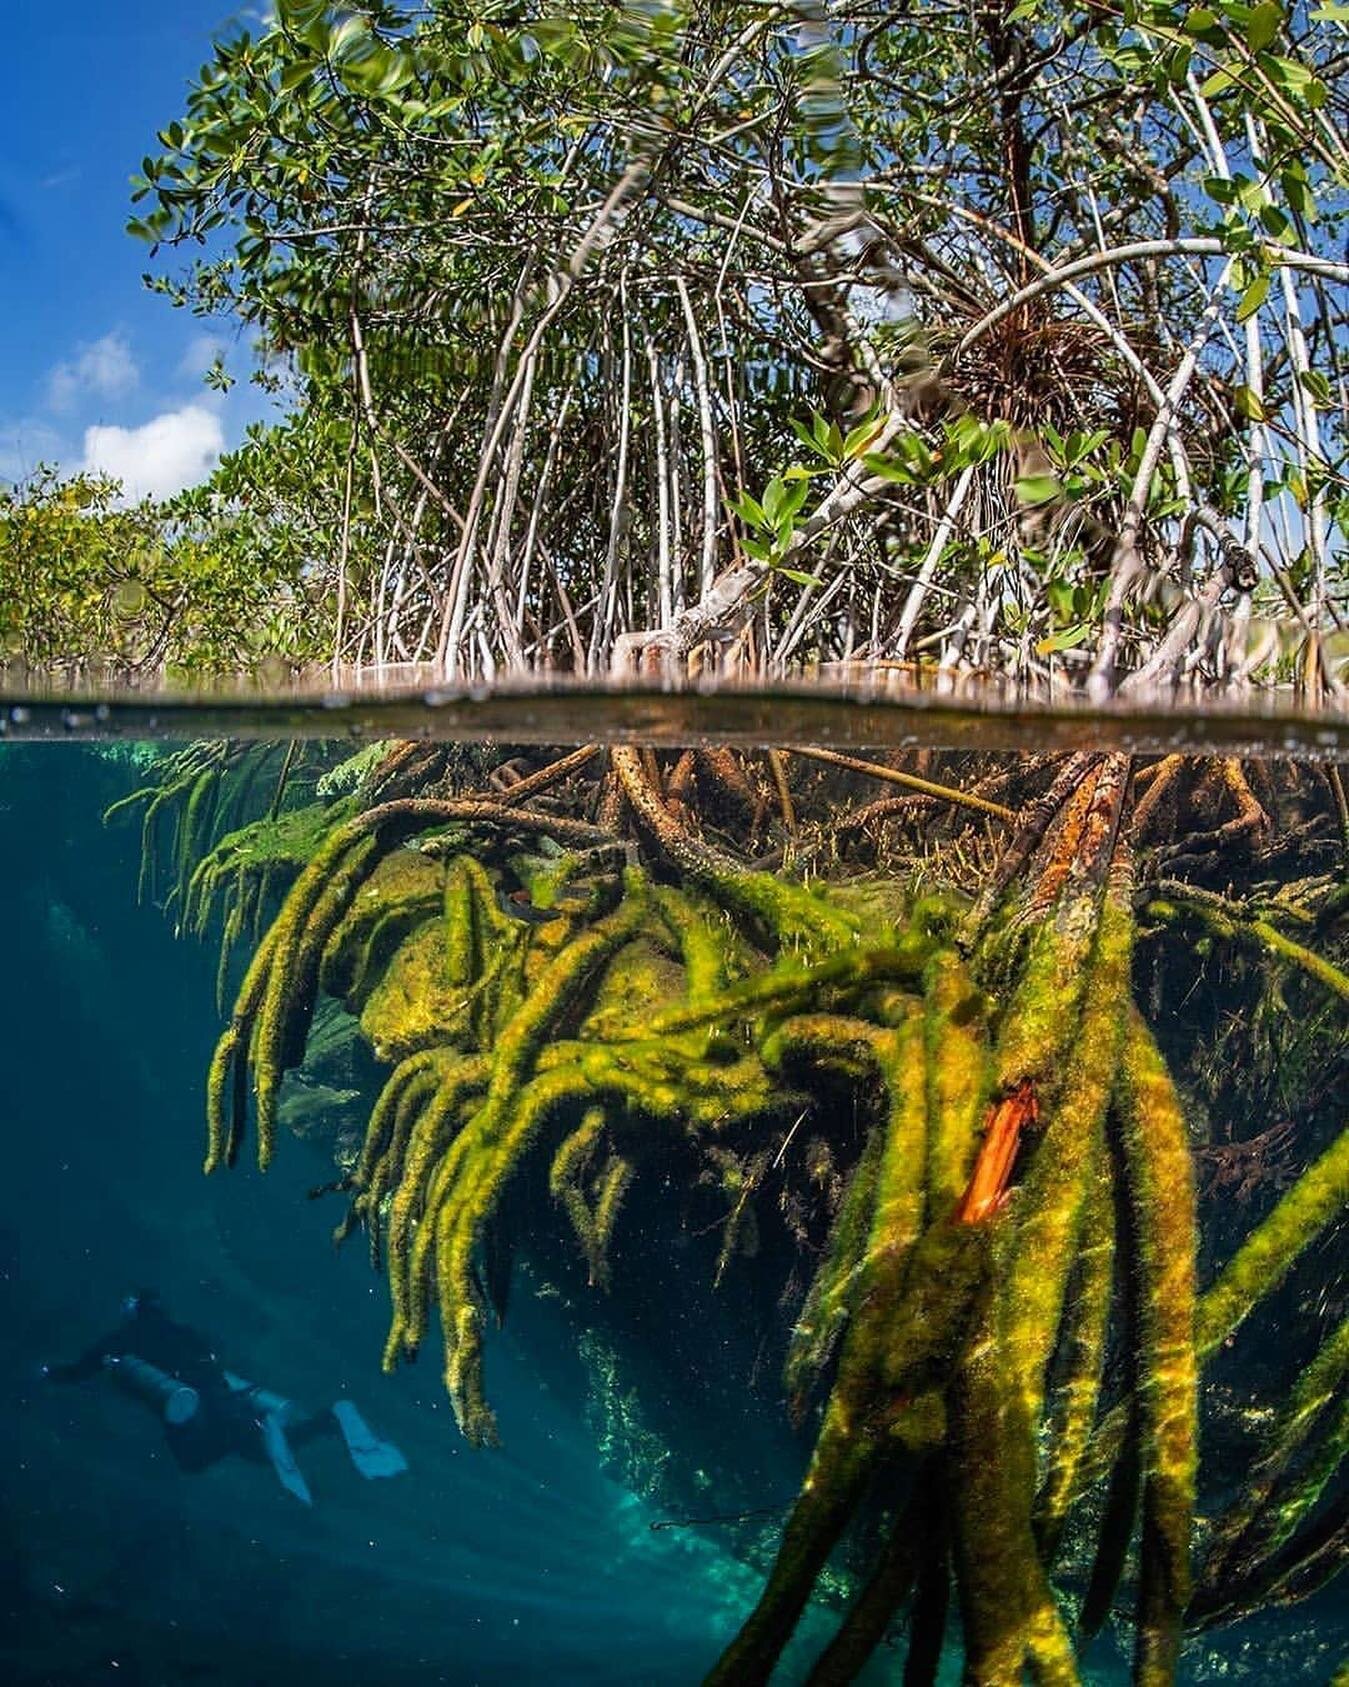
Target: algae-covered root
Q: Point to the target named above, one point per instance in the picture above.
(853, 1436)
(1160, 1192)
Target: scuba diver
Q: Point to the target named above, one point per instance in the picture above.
(209, 1412)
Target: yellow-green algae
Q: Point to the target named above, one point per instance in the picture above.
(1320, 1392)
(1317, 1199)
(1087, 1323)
(1063, 1026)
(1160, 1190)
(1305, 1447)
(710, 1013)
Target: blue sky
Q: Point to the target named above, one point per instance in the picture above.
(94, 370)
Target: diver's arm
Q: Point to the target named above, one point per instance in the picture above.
(89, 1364)
(91, 1361)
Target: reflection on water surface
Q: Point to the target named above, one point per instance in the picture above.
(844, 705)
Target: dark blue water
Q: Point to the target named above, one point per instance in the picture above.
(530, 1563)
(522, 1564)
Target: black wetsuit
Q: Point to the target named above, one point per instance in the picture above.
(226, 1420)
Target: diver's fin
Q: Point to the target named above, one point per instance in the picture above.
(371, 1456)
(288, 1472)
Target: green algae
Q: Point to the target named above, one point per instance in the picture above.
(1316, 1200)
(1160, 1192)
(693, 1006)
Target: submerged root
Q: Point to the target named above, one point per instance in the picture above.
(1160, 1192)
(1009, 1202)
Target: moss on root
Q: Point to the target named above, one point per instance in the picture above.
(1318, 1198)
(547, 1012)
(1159, 1187)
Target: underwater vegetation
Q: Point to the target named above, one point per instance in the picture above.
(956, 1027)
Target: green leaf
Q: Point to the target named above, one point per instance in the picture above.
(1036, 489)
(1201, 23)
(815, 438)
(914, 452)
(1083, 445)
(802, 432)
(861, 438)
(1069, 639)
(299, 14)
(798, 578)
(1218, 83)
(886, 468)
(1296, 188)
(1317, 388)
(750, 511)
(351, 32)
(1263, 25)
(1248, 404)
(1299, 82)
(791, 504)
(1254, 296)
(298, 71)
(1251, 195)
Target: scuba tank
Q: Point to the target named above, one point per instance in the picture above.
(177, 1402)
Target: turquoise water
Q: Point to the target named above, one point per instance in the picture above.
(530, 1563)
(526, 1563)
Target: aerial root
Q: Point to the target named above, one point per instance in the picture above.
(1159, 1188)
(912, 782)
(1318, 1198)
(1013, 1114)
(592, 1214)
(882, 1594)
(1249, 826)
(1010, 1615)
(1079, 1391)
(1305, 1448)
(1177, 903)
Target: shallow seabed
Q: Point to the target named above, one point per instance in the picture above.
(627, 1413)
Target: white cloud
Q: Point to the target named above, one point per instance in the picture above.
(174, 450)
(202, 351)
(104, 369)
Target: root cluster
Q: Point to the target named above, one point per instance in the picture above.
(1002, 1337)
